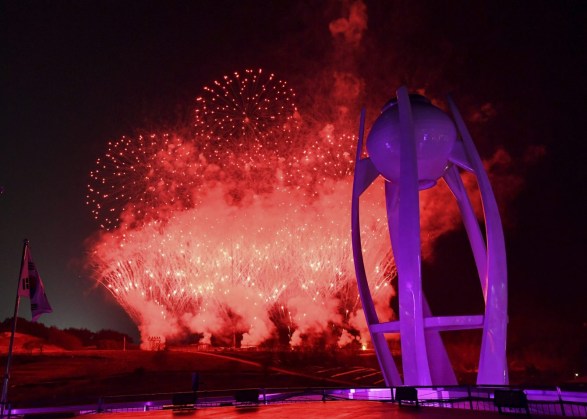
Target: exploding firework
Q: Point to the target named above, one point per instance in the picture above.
(242, 229)
(218, 264)
(324, 159)
(246, 114)
(144, 178)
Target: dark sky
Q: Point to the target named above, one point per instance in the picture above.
(75, 74)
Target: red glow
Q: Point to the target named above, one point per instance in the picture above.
(242, 227)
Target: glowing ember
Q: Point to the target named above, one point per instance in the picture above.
(146, 177)
(246, 114)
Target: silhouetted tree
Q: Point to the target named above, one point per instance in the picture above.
(70, 338)
(64, 339)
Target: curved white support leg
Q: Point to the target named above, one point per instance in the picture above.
(492, 361)
(403, 210)
(456, 186)
(365, 174)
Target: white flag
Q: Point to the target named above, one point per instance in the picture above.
(31, 286)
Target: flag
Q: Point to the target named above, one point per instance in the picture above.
(31, 286)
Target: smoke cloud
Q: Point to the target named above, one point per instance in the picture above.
(238, 229)
(351, 28)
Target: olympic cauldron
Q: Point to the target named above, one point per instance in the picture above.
(412, 144)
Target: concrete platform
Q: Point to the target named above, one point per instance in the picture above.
(309, 410)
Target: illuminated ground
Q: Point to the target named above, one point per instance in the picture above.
(72, 377)
(339, 409)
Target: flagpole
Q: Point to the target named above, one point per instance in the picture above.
(4, 401)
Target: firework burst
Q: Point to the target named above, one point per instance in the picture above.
(146, 177)
(242, 228)
(246, 114)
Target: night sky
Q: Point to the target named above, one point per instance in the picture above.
(76, 74)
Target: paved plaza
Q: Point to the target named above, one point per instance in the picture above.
(309, 410)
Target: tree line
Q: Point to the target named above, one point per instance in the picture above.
(70, 338)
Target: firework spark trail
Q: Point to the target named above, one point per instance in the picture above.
(246, 113)
(141, 174)
(246, 259)
(244, 237)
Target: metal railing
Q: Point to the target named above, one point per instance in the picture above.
(555, 401)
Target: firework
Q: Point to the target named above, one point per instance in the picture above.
(241, 229)
(246, 114)
(216, 263)
(324, 158)
(145, 177)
